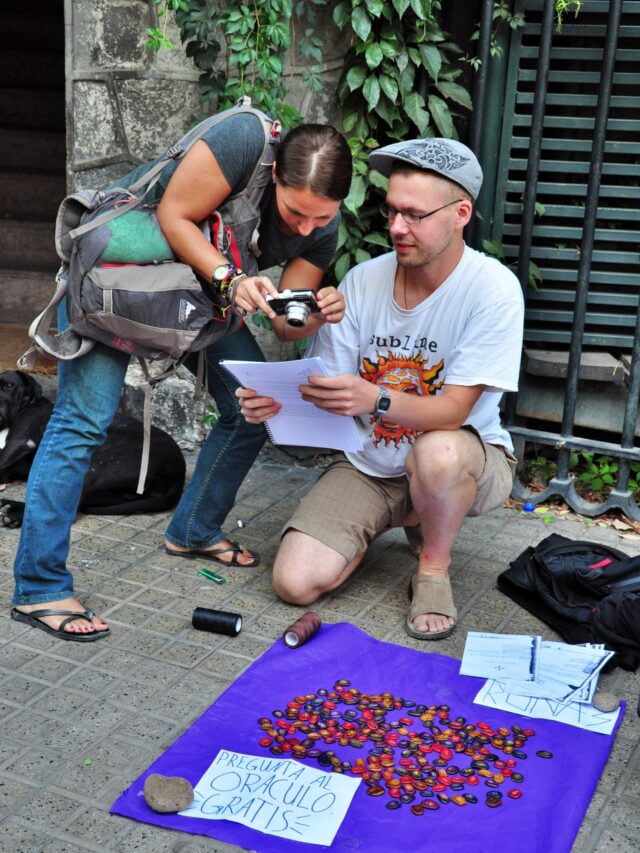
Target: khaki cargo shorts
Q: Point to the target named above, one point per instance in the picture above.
(346, 509)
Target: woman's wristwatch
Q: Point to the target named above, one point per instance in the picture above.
(224, 277)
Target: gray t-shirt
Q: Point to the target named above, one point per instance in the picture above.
(237, 144)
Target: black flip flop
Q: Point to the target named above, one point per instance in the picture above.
(202, 554)
(33, 620)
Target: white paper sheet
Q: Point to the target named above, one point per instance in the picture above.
(277, 796)
(496, 695)
(512, 657)
(298, 422)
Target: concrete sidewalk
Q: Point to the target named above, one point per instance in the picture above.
(78, 723)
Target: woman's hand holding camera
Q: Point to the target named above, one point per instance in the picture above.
(249, 295)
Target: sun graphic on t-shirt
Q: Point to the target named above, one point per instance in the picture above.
(409, 374)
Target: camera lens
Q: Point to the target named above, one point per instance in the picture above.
(297, 313)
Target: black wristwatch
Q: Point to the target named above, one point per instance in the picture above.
(383, 402)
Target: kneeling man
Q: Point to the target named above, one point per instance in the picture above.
(431, 338)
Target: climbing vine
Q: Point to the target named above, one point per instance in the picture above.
(400, 80)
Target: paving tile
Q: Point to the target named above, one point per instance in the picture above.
(94, 826)
(90, 681)
(61, 702)
(29, 729)
(48, 809)
(183, 654)
(15, 657)
(19, 836)
(224, 665)
(50, 669)
(12, 793)
(141, 642)
(36, 766)
(611, 841)
(148, 839)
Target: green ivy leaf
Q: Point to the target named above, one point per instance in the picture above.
(378, 180)
(371, 91)
(456, 93)
(389, 87)
(374, 55)
(442, 117)
(432, 59)
(494, 248)
(341, 14)
(356, 77)
(386, 110)
(361, 23)
(414, 108)
(407, 80)
(389, 48)
(400, 6)
(375, 7)
(342, 267)
(421, 8)
(362, 255)
(377, 239)
(355, 199)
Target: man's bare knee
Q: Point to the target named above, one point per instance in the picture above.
(305, 568)
(438, 460)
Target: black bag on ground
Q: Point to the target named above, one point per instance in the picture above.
(109, 486)
(587, 592)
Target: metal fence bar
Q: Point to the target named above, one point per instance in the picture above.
(480, 82)
(533, 166)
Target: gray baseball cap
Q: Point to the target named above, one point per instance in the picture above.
(447, 157)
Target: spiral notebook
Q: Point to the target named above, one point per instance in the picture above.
(298, 422)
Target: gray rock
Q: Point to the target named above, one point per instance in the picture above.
(604, 701)
(167, 794)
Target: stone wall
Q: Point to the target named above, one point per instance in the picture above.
(124, 102)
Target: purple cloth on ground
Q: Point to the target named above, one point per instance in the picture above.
(555, 792)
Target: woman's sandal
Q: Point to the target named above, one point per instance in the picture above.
(203, 554)
(430, 594)
(34, 620)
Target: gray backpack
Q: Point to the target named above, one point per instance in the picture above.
(114, 257)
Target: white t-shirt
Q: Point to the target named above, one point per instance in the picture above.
(468, 332)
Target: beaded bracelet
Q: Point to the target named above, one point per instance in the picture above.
(230, 284)
(227, 281)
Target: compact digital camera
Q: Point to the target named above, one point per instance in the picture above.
(295, 305)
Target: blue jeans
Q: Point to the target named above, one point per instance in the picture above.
(88, 395)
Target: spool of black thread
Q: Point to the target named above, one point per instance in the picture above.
(217, 621)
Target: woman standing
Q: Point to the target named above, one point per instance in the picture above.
(298, 226)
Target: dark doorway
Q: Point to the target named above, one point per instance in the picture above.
(32, 153)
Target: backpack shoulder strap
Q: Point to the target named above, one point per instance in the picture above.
(64, 346)
(140, 189)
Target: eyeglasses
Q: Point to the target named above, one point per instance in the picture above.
(411, 218)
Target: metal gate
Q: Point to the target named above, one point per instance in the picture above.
(570, 145)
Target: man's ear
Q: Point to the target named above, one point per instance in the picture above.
(465, 210)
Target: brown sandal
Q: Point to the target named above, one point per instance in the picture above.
(430, 594)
